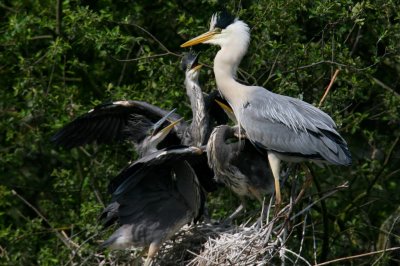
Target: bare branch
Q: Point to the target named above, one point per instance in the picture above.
(357, 256)
(329, 87)
(62, 236)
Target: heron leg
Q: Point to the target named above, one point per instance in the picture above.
(153, 249)
(275, 164)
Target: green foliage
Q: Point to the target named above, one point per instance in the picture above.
(54, 68)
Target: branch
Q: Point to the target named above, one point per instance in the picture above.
(142, 58)
(62, 236)
(358, 256)
(329, 87)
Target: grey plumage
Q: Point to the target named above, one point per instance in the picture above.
(292, 128)
(116, 121)
(238, 164)
(157, 195)
(287, 128)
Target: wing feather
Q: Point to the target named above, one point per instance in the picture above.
(288, 125)
(106, 123)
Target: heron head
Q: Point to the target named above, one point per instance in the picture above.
(191, 65)
(158, 133)
(224, 29)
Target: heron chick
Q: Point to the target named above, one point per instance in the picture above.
(239, 165)
(153, 198)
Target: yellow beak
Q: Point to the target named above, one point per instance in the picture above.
(196, 68)
(200, 39)
(168, 128)
(225, 107)
(228, 110)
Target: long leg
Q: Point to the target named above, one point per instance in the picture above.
(153, 249)
(275, 164)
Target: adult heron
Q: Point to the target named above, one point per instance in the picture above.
(287, 128)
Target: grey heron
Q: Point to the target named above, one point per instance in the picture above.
(153, 198)
(287, 128)
(239, 165)
(205, 111)
(130, 120)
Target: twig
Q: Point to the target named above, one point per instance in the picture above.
(204, 258)
(271, 70)
(67, 241)
(357, 256)
(336, 189)
(383, 85)
(385, 162)
(329, 87)
(58, 17)
(121, 76)
(325, 235)
(163, 47)
(297, 255)
(303, 236)
(142, 58)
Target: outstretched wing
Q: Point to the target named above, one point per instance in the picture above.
(110, 122)
(291, 126)
(157, 162)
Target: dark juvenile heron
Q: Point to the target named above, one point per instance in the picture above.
(155, 135)
(239, 165)
(287, 128)
(129, 120)
(132, 120)
(153, 198)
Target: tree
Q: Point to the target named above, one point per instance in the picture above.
(59, 59)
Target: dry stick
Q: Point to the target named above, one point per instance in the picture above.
(329, 87)
(357, 256)
(297, 256)
(306, 184)
(67, 241)
(202, 257)
(328, 194)
(303, 236)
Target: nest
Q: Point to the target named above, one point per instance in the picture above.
(215, 243)
(222, 244)
(239, 246)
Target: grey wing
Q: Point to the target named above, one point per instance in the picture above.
(110, 122)
(160, 161)
(189, 187)
(153, 210)
(291, 126)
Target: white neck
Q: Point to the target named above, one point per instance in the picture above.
(227, 60)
